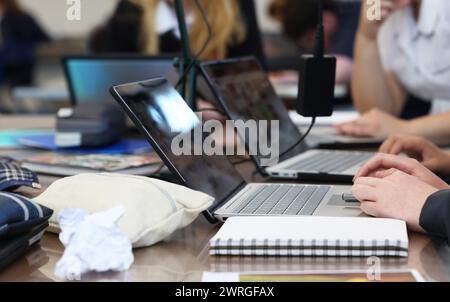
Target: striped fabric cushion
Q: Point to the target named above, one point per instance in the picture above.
(19, 214)
(12, 175)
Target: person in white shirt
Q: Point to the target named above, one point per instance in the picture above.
(405, 53)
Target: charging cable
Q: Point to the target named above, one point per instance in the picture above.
(313, 122)
(319, 50)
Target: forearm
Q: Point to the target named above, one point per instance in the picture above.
(344, 67)
(435, 216)
(369, 85)
(435, 127)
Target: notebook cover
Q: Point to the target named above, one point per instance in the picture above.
(311, 236)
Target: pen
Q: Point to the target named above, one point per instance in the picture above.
(349, 198)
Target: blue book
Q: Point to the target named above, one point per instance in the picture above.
(47, 142)
(8, 139)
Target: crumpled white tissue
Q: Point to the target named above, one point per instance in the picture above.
(93, 243)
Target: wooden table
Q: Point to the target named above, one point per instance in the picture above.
(184, 256)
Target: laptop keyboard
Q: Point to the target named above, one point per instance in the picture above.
(330, 161)
(274, 199)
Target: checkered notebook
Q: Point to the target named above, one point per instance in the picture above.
(12, 175)
(311, 236)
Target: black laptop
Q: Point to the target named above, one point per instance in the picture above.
(162, 115)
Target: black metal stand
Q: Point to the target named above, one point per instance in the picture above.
(189, 84)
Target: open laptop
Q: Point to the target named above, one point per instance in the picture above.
(245, 93)
(161, 114)
(90, 77)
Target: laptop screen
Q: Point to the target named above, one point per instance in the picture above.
(246, 93)
(90, 78)
(162, 114)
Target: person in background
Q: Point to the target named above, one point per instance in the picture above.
(151, 27)
(404, 54)
(19, 35)
(396, 187)
(299, 21)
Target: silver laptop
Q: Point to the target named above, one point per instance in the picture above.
(326, 137)
(161, 114)
(245, 93)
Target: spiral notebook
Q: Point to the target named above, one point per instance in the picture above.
(311, 236)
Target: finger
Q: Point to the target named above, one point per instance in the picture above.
(387, 161)
(370, 208)
(412, 147)
(345, 125)
(364, 130)
(364, 193)
(432, 164)
(397, 147)
(338, 127)
(399, 177)
(387, 145)
(368, 181)
(374, 173)
(384, 173)
(341, 129)
(358, 129)
(362, 127)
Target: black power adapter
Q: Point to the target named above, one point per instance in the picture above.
(316, 86)
(317, 78)
(316, 83)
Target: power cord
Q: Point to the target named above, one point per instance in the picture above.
(313, 122)
(202, 50)
(319, 47)
(319, 50)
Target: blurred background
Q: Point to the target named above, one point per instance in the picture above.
(31, 73)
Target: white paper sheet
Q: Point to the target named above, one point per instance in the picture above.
(336, 118)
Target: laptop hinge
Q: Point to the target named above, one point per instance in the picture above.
(209, 213)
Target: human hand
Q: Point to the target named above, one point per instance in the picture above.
(284, 77)
(430, 155)
(368, 27)
(384, 165)
(208, 111)
(375, 123)
(397, 196)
